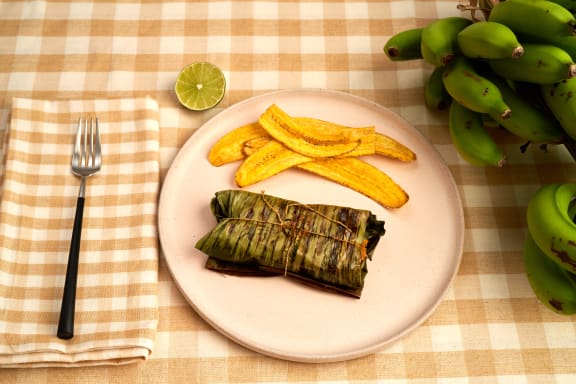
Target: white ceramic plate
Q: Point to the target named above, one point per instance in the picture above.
(412, 266)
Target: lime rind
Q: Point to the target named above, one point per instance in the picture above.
(200, 86)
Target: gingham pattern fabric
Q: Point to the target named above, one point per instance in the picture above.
(488, 329)
(116, 301)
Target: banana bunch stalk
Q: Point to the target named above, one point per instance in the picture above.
(515, 67)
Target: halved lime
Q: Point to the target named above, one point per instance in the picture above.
(200, 86)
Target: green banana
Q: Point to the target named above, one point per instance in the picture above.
(489, 40)
(567, 43)
(552, 286)
(472, 90)
(561, 100)
(526, 120)
(540, 64)
(439, 39)
(471, 139)
(570, 5)
(550, 224)
(435, 95)
(538, 18)
(404, 45)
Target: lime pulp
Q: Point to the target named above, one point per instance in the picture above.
(200, 86)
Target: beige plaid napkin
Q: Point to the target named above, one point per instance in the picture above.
(116, 307)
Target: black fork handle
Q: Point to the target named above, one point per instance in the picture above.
(66, 322)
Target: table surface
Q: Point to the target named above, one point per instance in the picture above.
(489, 328)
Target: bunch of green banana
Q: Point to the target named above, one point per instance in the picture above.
(513, 70)
(484, 66)
(550, 248)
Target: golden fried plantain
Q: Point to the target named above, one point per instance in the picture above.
(386, 146)
(366, 136)
(267, 161)
(229, 148)
(383, 145)
(286, 130)
(252, 145)
(361, 177)
(327, 131)
(278, 142)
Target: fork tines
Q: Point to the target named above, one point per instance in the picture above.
(87, 153)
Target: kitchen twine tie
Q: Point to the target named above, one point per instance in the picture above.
(295, 230)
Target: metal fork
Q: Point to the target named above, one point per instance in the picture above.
(86, 161)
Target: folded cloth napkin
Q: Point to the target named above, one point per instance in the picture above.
(116, 299)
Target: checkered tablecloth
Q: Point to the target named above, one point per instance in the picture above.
(488, 329)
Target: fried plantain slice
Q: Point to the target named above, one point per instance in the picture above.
(386, 146)
(328, 131)
(267, 161)
(253, 145)
(238, 143)
(289, 132)
(361, 177)
(229, 148)
(383, 145)
(324, 148)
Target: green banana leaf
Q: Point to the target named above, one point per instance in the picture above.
(325, 245)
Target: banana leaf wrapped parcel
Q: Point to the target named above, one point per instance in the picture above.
(325, 245)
